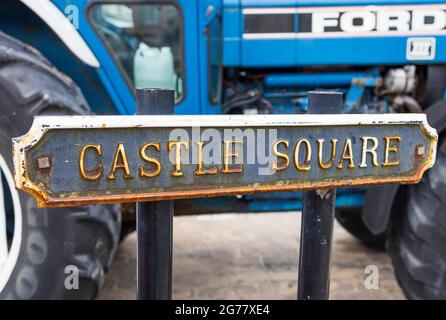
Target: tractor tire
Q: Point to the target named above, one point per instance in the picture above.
(418, 233)
(58, 253)
(435, 85)
(351, 220)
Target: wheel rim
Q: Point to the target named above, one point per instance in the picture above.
(9, 243)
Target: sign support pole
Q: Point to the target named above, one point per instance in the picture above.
(60, 163)
(154, 220)
(317, 220)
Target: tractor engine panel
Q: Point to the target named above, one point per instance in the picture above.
(281, 33)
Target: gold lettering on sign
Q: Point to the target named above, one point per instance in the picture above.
(120, 162)
(234, 155)
(347, 154)
(280, 155)
(98, 169)
(371, 150)
(329, 163)
(177, 145)
(388, 149)
(144, 155)
(306, 164)
(200, 170)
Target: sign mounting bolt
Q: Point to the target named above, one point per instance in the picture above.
(44, 162)
(420, 150)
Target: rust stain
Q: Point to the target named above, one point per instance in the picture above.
(43, 163)
(48, 202)
(20, 145)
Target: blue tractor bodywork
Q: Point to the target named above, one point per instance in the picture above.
(272, 48)
(298, 49)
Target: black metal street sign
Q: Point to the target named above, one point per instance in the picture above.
(65, 161)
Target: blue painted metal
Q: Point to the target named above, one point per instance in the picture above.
(313, 79)
(108, 92)
(343, 51)
(231, 33)
(279, 201)
(306, 52)
(33, 31)
(354, 97)
(207, 10)
(121, 94)
(317, 3)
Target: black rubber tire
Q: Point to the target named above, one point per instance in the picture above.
(351, 220)
(418, 235)
(52, 239)
(435, 85)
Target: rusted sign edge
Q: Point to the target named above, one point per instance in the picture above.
(41, 125)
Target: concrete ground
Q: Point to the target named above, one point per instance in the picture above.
(253, 256)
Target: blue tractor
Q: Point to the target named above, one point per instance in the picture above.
(63, 57)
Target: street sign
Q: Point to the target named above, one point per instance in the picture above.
(77, 160)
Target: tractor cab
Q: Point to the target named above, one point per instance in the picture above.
(161, 45)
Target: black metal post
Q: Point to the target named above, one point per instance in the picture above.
(317, 220)
(154, 220)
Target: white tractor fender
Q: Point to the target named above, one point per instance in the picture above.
(64, 29)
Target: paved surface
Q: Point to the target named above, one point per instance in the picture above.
(251, 256)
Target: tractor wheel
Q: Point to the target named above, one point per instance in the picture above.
(418, 230)
(351, 220)
(435, 85)
(45, 253)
